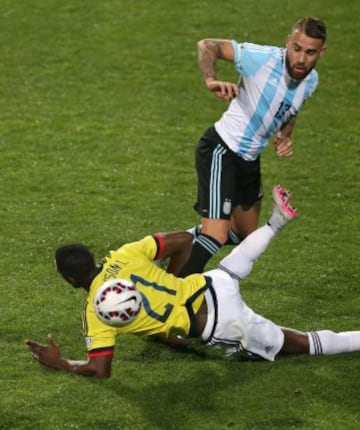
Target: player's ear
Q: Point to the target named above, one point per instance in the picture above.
(322, 51)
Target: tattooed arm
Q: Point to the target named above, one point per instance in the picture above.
(209, 51)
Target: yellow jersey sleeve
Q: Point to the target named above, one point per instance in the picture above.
(99, 338)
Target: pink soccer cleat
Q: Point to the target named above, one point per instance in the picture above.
(282, 211)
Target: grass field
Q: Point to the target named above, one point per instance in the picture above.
(101, 107)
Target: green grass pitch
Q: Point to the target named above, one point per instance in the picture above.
(101, 106)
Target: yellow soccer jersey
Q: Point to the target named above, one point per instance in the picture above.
(166, 299)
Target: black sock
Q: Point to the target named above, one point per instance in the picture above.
(204, 247)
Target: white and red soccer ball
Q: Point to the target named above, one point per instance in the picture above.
(117, 302)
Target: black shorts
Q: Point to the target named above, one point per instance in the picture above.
(225, 180)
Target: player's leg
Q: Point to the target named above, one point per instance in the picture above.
(215, 228)
(322, 342)
(295, 342)
(235, 327)
(213, 204)
(247, 199)
(242, 258)
(244, 220)
(206, 244)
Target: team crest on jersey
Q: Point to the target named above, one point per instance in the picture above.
(227, 206)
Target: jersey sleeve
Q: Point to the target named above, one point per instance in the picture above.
(152, 247)
(237, 53)
(160, 246)
(251, 57)
(99, 338)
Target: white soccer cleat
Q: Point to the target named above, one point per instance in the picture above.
(282, 211)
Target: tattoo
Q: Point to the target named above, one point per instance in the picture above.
(208, 53)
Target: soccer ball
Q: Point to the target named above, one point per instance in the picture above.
(117, 302)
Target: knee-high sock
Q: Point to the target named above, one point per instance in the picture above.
(326, 342)
(242, 258)
(203, 248)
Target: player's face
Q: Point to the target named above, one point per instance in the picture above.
(302, 53)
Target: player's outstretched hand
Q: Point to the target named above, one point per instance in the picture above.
(222, 90)
(48, 355)
(283, 146)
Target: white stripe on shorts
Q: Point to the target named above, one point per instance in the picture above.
(215, 182)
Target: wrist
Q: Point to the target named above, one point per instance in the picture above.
(210, 79)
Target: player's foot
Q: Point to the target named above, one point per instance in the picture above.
(282, 211)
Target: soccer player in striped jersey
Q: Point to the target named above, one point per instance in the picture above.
(208, 306)
(274, 83)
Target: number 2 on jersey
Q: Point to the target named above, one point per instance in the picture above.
(168, 307)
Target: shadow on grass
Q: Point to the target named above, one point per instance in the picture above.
(192, 396)
(206, 388)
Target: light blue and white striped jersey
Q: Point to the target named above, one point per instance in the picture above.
(268, 98)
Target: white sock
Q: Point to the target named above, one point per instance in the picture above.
(326, 342)
(242, 258)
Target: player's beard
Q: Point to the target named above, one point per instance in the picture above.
(297, 74)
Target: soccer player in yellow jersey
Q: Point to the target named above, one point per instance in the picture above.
(207, 305)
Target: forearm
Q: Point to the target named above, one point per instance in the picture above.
(179, 251)
(50, 355)
(287, 128)
(78, 367)
(177, 261)
(208, 53)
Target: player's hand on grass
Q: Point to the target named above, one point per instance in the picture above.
(48, 355)
(283, 146)
(222, 90)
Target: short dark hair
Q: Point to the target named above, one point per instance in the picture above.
(312, 27)
(75, 261)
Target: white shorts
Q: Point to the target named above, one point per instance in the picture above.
(233, 326)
